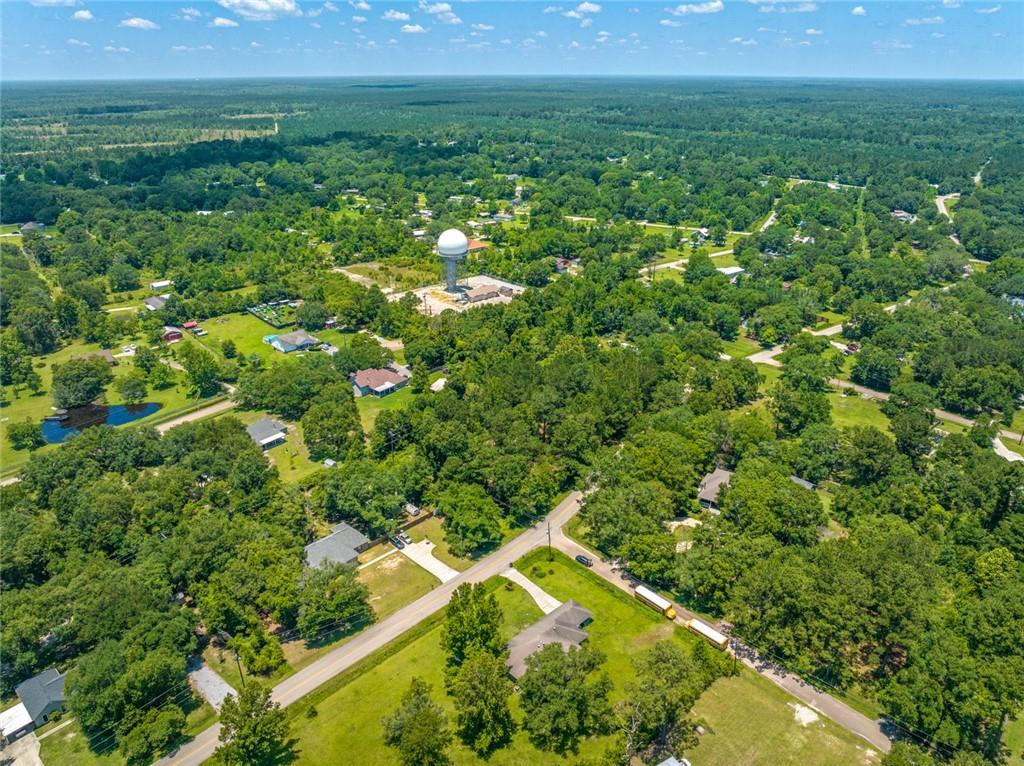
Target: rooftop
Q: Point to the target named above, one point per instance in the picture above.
(266, 430)
(340, 546)
(38, 692)
(712, 484)
(378, 379)
(562, 626)
(297, 338)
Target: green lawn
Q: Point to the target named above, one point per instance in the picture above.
(746, 715)
(395, 582)
(371, 406)
(245, 330)
(292, 457)
(856, 411)
(770, 374)
(1018, 421)
(1012, 444)
(752, 722)
(69, 747)
(1013, 739)
(432, 530)
(741, 348)
(721, 261)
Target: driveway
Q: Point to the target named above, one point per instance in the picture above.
(22, 752)
(545, 600)
(209, 685)
(422, 553)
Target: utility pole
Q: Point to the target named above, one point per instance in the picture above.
(238, 662)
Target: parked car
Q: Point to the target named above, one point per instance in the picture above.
(404, 536)
(397, 542)
(585, 560)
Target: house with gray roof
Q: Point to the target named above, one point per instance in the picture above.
(40, 697)
(267, 432)
(297, 340)
(341, 546)
(710, 487)
(563, 626)
(156, 302)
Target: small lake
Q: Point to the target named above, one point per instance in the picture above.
(55, 432)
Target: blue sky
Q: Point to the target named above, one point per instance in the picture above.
(71, 39)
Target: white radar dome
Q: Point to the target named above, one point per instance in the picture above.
(452, 242)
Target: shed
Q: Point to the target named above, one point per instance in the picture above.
(171, 334)
(438, 385)
(267, 432)
(341, 546)
(710, 487)
(563, 626)
(161, 284)
(156, 302)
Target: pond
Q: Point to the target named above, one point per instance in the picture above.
(57, 431)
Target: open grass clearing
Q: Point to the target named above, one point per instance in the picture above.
(741, 347)
(371, 406)
(855, 410)
(432, 530)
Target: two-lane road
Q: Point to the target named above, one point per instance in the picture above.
(361, 646)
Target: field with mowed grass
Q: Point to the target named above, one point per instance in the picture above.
(344, 725)
(855, 410)
(1013, 740)
(371, 406)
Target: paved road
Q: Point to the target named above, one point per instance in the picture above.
(769, 221)
(940, 203)
(870, 730)
(361, 646)
(376, 636)
(205, 412)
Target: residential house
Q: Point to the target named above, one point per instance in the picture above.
(341, 546)
(104, 354)
(904, 217)
(377, 381)
(40, 697)
(476, 245)
(31, 226)
(267, 432)
(171, 334)
(161, 284)
(710, 486)
(563, 626)
(297, 340)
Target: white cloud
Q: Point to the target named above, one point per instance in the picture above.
(441, 11)
(586, 7)
(785, 6)
(859, 11)
(927, 21)
(220, 21)
(603, 37)
(986, 11)
(255, 44)
(360, 5)
(670, 23)
(189, 14)
(137, 22)
(413, 29)
(541, 33)
(742, 41)
(938, 35)
(82, 16)
(891, 45)
(314, 25)
(116, 49)
(711, 6)
(359, 19)
(52, 3)
(553, 9)
(483, 27)
(330, 7)
(262, 10)
(586, 23)
(78, 43)
(813, 32)
(574, 45)
(950, 3)
(392, 15)
(505, 41)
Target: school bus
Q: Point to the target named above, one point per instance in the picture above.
(653, 600)
(707, 632)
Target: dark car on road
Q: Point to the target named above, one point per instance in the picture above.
(397, 542)
(585, 560)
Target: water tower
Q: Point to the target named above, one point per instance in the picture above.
(452, 246)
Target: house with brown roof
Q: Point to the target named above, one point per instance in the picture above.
(377, 381)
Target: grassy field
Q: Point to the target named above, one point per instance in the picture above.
(1013, 739)
(398, 277)
(1011, 444)
(69, 747)
(856, 411)
(371, 406)
(741, 348)
(346, 729)
(753, 722)
(395, 582)
(245, 330)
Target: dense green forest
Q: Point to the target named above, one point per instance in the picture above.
(900, 578)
